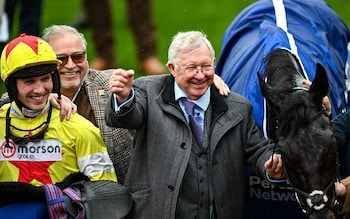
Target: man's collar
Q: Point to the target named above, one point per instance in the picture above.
(202, 102)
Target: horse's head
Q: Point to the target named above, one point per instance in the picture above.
(302, 131)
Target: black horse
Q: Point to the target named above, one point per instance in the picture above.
(302, 130)
(312, 31)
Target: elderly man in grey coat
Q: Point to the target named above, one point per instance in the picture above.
(173, 173)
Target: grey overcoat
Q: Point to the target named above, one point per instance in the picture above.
(163, 144)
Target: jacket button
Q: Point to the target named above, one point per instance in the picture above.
(183, 145)
(170, 188)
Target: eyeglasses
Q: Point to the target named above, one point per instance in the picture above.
(194, 69)
(77, 58)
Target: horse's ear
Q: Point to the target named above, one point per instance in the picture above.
(267, 91)
(320, 86)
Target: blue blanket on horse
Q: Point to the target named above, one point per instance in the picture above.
(309, 28)
(27, 210)
(315, 34)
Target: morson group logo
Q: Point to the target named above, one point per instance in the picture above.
(8, 151)
(44, 150)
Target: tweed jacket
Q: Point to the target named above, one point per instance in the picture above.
(345, 204)
(163, 144)
(119, 141)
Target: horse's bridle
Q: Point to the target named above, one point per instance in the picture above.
(317, 199)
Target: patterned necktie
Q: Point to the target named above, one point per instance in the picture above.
(196, 128)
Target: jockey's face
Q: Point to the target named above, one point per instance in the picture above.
(34, 92)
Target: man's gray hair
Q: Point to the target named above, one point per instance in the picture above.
(188, 41)
(55, 31)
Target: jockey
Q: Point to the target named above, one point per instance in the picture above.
(36, 148)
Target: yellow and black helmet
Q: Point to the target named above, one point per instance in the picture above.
(23, 52)
(27, 56)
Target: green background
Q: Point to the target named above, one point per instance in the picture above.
(171, 16)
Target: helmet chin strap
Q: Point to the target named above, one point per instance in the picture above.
(12, 91)
(13, 95)
(56, 83)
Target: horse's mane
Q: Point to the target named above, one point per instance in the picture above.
(295, 114)
(279, 62)
(284, 74)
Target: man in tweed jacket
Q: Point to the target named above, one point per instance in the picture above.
(88, 89)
